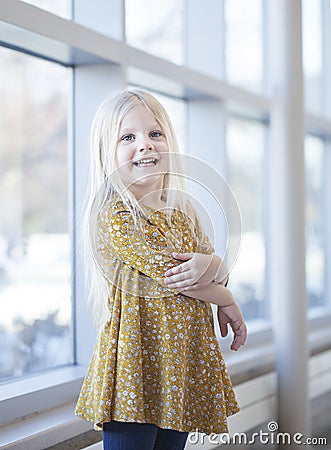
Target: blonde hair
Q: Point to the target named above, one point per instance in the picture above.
(105, 182)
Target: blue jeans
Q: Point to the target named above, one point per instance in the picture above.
(141, 436)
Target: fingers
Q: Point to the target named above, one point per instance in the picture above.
(173, 280)
(182, 285)
(183, 256)
(237, 343)
(240, 336)
(178, 277)
(222, 322)
(181, 268)
(224, 329)
(238, 327)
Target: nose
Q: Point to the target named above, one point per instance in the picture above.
(144, 144)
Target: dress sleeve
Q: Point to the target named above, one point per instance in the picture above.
(204, 245)
(142, 246)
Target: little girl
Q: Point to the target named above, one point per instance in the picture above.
(157, 371)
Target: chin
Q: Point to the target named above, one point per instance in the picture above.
(149, 179)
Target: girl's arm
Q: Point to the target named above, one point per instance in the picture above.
(213, 293)
(228, 312)
(116, 236)
(119, 235)
(197, 271)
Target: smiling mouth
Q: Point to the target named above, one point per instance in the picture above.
(146, 162)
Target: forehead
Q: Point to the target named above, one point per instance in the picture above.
(138, 115)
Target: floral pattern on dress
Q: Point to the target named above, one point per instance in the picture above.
(157, 359)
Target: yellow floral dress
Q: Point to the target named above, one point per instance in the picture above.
(157, 359)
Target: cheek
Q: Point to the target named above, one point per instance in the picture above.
(123, 163)
(123, 156)
(119, 157)
(165, 160)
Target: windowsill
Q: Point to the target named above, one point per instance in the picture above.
(35, 408)
(32, 394)
(43, 430)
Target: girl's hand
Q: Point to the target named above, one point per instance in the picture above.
(232, 315)
(197, 271)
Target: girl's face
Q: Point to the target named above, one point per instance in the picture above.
(142, 151)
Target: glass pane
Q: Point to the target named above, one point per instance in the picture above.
(244, 43)
(60, 7)
(312, 54)
(157, 29)
(245, 148)
(314, 162)
(35, 255)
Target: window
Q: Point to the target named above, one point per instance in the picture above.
(60, 7)
(222, 123)
(245, 151)
(157, 29)
(315, 238)
(312, 55)
(244, 42)
(35, 256)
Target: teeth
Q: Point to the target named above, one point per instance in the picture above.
(145, 161)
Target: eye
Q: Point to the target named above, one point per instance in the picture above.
(127, 137)
(155, 134)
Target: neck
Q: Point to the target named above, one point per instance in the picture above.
(152, 198)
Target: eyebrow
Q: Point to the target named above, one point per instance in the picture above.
(130, 130)
(126, 130)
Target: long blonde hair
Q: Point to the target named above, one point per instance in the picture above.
(105, 182)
